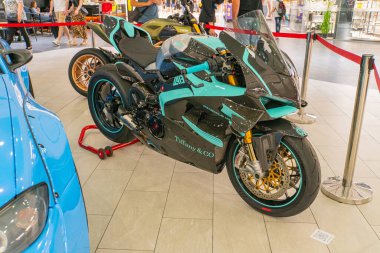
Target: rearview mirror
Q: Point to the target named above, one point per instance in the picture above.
(16, 58)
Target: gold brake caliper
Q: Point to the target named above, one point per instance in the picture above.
(272, 186)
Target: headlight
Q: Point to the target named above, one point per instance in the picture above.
(23, 219)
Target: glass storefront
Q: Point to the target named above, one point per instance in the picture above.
(310, 13)
(350, 19)
(365, 22)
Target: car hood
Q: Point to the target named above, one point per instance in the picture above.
(7, 165)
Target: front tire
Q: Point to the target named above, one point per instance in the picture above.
(107, 92)
(292, 182)
(83, 65)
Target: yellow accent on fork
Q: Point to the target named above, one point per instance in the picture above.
(248, 142)
(232, 80)
(196, 28)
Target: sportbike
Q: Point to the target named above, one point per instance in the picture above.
(84, 63)
(213, 103)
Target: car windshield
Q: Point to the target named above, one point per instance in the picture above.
(252, 31)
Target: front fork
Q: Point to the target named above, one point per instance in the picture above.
(253, 166)
(249, 145)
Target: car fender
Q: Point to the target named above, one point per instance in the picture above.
(52, 142)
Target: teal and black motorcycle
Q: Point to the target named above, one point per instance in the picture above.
(212, 103)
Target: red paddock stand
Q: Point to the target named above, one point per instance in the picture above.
(101, 152)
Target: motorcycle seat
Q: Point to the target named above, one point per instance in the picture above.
(139, 50)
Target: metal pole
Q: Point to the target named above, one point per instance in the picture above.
(301, 117)
(344, 190)
(92, 39)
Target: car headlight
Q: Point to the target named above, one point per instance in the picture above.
(23, 219)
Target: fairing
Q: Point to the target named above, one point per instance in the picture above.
(188, 47)
(156, 28)
(265, 68)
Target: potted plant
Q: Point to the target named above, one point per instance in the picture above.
(326, 25)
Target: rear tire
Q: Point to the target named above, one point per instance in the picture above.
(82, 67)
(106, 93)
(292, 200)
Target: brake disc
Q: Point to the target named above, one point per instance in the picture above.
(271, 187)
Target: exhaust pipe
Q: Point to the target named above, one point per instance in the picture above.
(127, 121)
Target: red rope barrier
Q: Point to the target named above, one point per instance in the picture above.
(47, 24)
(346, 54)
(290, 35)
(252, 32)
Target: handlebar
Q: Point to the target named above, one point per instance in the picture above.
(196, 68)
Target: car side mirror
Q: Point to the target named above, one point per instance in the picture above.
(16, 58)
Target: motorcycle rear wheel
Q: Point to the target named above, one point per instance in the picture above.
(292, 182)
(83, 65)
(107, 91)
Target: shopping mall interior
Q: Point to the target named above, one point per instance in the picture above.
(155, 195)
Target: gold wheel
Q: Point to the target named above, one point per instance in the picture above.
(84, 67)
(280, 180)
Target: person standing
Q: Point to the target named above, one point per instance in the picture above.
(148, 8)
(207, 15)
(79, 31)
(249, 22)
(60, 10)
(278, 10)
(241, 7)
(14, 10)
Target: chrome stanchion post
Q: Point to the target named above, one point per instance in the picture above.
(345, 190)
(92, 38)
(301, 117)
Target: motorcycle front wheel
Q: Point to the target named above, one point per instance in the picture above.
(290, 185)
(83, 65)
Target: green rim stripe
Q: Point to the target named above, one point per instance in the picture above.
(249, 195)
(96, 113)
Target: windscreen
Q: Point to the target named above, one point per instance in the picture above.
(252, 31)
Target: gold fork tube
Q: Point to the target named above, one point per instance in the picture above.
(248, 143)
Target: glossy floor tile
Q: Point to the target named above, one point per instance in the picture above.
(185, 236)
(190, 196)
(97, 225)
(136, 221)
(139, 201)
(236, 228)
(293, 238)
(103, 190)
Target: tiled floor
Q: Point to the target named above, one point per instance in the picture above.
(140, 201)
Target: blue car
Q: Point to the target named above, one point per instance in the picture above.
(41, 202)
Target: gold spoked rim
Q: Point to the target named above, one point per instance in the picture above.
(84, 68)
(282, 181)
